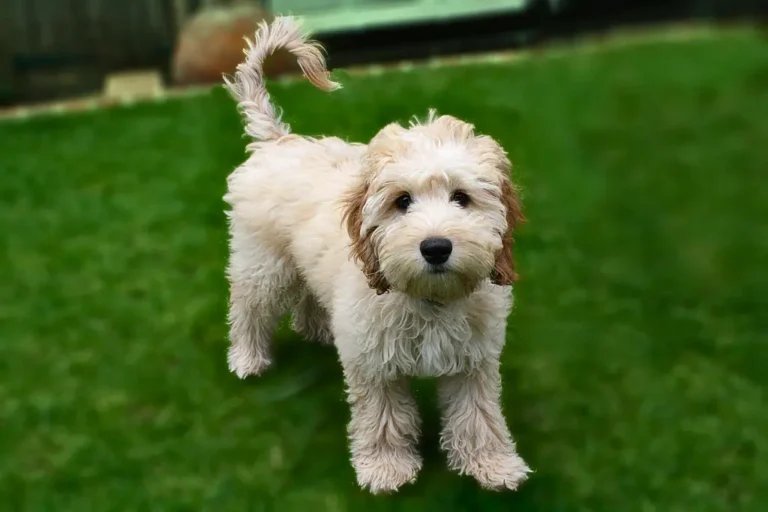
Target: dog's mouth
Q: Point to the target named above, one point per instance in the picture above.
(440, 283)
(437, 269)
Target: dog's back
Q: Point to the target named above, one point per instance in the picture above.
(288, 183)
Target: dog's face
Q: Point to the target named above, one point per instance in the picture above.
(435, 212)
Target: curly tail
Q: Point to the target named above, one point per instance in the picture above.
(262, 122)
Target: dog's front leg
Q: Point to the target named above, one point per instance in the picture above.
(383, 432)
(475, 434)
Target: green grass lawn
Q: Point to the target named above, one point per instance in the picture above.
(636, 372)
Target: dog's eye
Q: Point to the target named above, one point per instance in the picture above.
(461, 198)
(402, 202)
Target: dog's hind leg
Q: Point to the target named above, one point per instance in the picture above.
(310, 319)
(262, 284)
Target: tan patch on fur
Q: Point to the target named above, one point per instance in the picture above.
(362, 249)
(504, 272)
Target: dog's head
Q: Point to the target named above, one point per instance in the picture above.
(435, 210)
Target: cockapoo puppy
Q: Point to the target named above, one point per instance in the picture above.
(398, 252)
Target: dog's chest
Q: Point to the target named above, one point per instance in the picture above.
(428, 342)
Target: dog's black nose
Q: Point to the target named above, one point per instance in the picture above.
(436, 250)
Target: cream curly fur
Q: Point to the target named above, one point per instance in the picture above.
(315, 231)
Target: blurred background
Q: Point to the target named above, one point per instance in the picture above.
(65, 48)
(636, 367)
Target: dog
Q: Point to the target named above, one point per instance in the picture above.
(398, 252)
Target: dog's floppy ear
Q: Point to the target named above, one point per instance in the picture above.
(491, 153)
(362, 247)
(504, 271)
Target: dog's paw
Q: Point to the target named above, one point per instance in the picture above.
(497, 470)
(388, 470)
(244, 361)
